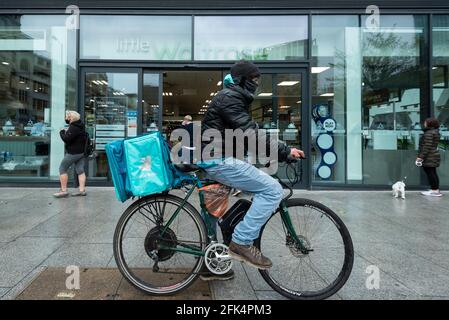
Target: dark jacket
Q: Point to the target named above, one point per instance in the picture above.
(229, 109)
(74, 137)
(428, 148)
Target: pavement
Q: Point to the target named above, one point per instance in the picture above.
(406, 241)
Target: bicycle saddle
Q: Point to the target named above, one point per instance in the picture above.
(187, 167)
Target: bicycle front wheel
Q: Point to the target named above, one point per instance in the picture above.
(154, 257)
(321, 271)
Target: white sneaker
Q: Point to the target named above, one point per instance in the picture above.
(431, 193)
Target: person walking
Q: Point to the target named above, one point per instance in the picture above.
(74, 138)
(429, 156)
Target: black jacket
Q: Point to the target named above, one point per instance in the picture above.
(74, 137)
(229, 109)
(428, 148)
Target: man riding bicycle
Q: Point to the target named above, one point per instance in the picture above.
(229, 109)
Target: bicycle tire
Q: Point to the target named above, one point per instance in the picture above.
(348, 256)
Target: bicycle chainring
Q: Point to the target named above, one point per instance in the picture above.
(217, 258)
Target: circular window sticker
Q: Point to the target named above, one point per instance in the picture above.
(329, 125)
(330, 158)
(324, 141)
(324, 172)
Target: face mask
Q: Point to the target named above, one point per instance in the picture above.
(67, 121)
(251, 86)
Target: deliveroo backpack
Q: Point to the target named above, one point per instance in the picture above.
(148, 164)
(115, 152)
(140, 166)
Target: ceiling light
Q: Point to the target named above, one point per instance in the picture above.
(21, 81)
(211, 94)
(284, 107)
(219, 83)
(319, 69)
(434, 68)
(299, 101)
(265, 94)
(288, 83)
(5, 63)
(330, 94)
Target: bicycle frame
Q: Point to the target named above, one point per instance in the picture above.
(197, 183)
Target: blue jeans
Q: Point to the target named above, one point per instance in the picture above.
(267, 195)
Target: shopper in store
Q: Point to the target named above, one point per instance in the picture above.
(187, 151)
(429, 156)
(74, 138)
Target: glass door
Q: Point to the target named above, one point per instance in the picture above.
(111, 110)
(279, 106)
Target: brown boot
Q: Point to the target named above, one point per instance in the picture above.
(249, 254)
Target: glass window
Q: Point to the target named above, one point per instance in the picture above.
(332, 102)
(250, 37)
(394, 98)
(369, 96)
(37, 85)
(110, 110)
(136, 37)
(440, 81)
(150, 103)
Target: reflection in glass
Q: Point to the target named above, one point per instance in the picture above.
(37, 85)
(331, 104)
(250, 37)
(394, 100)
(110, 107)
(151, 119)
(136, 37)
(440, 81)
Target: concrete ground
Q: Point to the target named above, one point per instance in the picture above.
(407, 240)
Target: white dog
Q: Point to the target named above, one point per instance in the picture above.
(399, 189)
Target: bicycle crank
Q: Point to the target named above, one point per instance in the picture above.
(217, 258)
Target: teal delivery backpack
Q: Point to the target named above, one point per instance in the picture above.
(148, 164)
(115, 152)
(145, 163)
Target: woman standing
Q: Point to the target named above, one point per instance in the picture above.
(429, 156)
(74, 138)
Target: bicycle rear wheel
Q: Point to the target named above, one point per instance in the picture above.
(139, 237)
(317, 274)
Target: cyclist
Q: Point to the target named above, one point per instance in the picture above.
(229, 109)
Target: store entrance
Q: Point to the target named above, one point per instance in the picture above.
(126, 102)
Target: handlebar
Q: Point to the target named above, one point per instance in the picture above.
(290, 161)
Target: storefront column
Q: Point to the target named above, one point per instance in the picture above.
(58, 94)
(354, 105)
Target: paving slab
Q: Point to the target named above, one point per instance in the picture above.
(99, 284)
(20, 257)
(82, 255)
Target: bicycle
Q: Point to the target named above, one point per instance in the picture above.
(161, 243)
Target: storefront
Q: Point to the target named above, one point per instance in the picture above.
(349, 87)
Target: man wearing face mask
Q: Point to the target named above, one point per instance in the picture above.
(229, 109)
(74, 138)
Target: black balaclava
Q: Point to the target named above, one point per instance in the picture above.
(243, 72)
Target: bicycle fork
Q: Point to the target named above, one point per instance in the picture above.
(291, 236)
